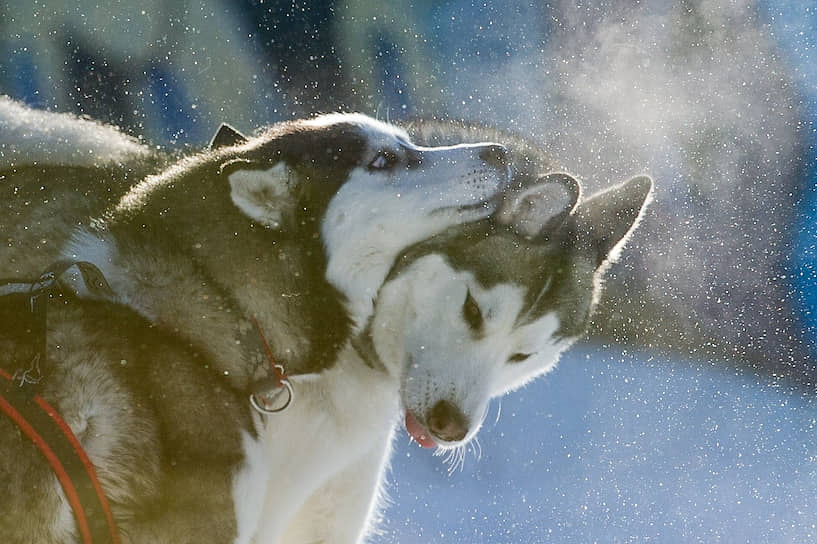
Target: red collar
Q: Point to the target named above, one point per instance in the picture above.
(270, 402)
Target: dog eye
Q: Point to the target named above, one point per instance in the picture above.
(384, 160)
(472, 313)
(518, 357)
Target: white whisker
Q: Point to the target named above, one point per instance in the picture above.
(476, 447)
(458, 459)
(454, 457)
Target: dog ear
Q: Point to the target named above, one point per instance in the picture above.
(261, 194)
(605, 221)
(226, 136)
(540, 208)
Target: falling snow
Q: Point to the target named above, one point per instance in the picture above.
(689, 413)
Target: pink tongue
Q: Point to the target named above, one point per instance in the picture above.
(418, 432)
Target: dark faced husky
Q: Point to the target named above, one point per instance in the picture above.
(394, 281)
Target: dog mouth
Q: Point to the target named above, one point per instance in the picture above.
(481, 208)
(418, 432)
(487, 206)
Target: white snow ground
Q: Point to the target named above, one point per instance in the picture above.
(622, 448)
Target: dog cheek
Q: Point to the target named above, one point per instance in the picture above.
(390, 328)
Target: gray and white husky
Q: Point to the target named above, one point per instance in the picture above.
(393, 281)
(462, 317)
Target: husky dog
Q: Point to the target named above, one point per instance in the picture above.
(462, 317)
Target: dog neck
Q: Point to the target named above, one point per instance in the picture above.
(212, 303)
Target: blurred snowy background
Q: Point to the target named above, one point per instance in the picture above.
(703, 430)
(622, 448)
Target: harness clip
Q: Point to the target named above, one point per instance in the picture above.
(270, 402)
(31, 376)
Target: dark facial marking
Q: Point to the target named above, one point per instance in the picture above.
(413, 158)
(519, 357)
(472, 314)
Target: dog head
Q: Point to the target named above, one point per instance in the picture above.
(363, 186)
(483, 308)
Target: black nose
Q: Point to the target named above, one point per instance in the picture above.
(495, 155)
(447, 422)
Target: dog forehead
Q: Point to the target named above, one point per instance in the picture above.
(550, 276)
(498, 258)
(502, 300)
(377, 133)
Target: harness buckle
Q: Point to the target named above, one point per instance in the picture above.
(30, 376)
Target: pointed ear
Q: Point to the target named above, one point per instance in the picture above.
(540, 208)
(605, 221)
(226, 136)
(263, 195)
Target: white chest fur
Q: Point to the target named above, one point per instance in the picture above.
(295, 479)
(249, 487)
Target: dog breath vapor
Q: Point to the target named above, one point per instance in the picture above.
(697, 94)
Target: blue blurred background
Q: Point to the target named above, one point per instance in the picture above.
(688, 414)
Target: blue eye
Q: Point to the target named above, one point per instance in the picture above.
(384, 160)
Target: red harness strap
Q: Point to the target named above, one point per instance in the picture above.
(41, 423)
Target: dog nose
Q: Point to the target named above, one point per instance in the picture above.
(495, 155)
(447, 422)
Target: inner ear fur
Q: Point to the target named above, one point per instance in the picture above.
(541, 207)
(264, 195)
(604, 222)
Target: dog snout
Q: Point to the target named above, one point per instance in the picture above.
(447, 422)
(495, 155)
